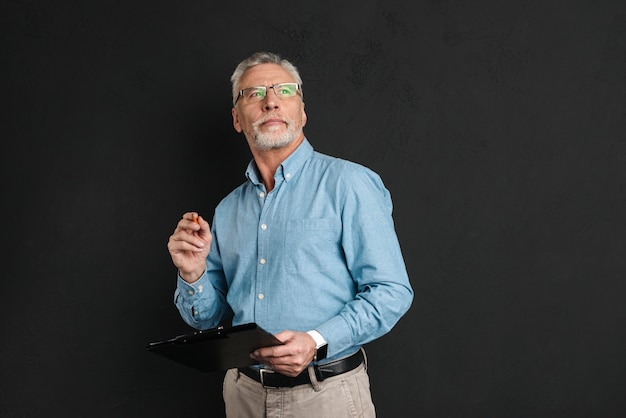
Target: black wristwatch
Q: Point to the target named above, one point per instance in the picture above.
(321, 352)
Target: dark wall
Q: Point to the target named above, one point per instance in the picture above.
(499, 128)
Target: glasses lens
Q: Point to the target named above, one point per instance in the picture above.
(286, 89)
(254, 93)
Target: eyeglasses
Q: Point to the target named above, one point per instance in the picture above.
(256, 94)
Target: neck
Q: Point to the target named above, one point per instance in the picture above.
(268, 161)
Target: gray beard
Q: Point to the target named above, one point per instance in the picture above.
(265, 141)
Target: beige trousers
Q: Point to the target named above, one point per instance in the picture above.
(346, 395)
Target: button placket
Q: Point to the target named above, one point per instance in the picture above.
(263, 231)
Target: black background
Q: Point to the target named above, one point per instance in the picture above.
(499, 128)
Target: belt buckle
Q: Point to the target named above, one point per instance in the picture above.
(262, 376)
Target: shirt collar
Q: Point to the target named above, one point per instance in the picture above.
(288, 168)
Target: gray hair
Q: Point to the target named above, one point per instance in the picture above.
(259, 58)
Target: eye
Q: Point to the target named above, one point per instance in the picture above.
(255, 93)
(286, 90)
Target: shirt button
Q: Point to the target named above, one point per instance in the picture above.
(200, 288)
(261, 296)
(262, 261)
(288, 175)
(195, 313)
(261, 195)
(190, 292)
(263, 226)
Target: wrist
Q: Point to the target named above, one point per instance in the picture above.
(321, 346)
(190, 277)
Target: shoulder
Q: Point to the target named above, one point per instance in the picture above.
(344, 166)
(346, 172)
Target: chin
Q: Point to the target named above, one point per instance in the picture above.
(264, 143)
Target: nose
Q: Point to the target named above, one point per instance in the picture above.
(270, 101)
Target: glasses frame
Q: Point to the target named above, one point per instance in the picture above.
(242, 92)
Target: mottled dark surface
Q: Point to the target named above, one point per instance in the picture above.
(498, 126)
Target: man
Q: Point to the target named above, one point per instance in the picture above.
(306, 248)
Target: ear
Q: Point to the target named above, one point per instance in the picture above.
(303, 116)
(236, 122)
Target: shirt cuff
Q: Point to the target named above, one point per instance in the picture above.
(319, 340)
(190, 290)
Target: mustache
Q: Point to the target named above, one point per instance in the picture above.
(271, 116)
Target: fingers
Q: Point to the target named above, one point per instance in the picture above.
(192, 221)
(183, 241)
(192, 229)
(189, 246)
(191, 218)
(292, 357)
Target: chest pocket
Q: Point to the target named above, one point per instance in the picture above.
(311, 245)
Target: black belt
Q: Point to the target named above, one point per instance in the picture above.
(271, 379)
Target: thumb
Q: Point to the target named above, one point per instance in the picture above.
(285, 336)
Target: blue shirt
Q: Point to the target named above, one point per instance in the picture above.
(318, 252)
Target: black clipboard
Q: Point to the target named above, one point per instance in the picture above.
(215, 349)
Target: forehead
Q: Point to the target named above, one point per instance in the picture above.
(265, 75)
